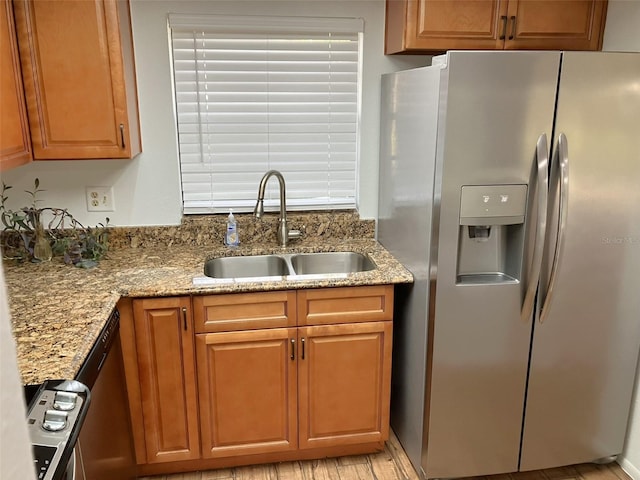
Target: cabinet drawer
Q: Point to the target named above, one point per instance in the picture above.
(244, 311)
(345, 305)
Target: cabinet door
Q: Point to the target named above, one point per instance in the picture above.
(15, 143)
(80, 92)
(247, 389)
(344, 381)
(556, 25)
(165, 350)
(438, 25)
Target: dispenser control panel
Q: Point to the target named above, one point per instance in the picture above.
(492, 204)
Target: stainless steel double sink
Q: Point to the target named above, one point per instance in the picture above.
(278, 265)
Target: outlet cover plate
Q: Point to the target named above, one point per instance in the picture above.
(100, 199)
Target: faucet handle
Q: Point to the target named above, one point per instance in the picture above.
(294, 234)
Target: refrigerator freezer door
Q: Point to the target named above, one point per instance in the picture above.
(493, 110)
(585, 353)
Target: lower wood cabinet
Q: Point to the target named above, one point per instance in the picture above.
(344, 378)
(167, 379)
(202, 398)
(276, 390)
(247, 389)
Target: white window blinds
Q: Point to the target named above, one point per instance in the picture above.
(261, 93)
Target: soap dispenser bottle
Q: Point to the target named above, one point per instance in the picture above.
(231, 238)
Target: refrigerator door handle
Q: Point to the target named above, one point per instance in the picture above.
(542, 188)
(563, 167)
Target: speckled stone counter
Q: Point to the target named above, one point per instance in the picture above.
(58, 311)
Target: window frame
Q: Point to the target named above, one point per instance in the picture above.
(266, 25)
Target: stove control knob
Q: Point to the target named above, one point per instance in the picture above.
(54, 420)
(65, 401)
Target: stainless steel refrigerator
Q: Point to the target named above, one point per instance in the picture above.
(510, 187)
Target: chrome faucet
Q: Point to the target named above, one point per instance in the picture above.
(283, 234)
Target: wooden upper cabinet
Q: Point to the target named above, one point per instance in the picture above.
(414, 26)
(15, 142)
(558, 24)
(79, 78)
(438, 25)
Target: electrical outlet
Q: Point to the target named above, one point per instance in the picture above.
(100, 199)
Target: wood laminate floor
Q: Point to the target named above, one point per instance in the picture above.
(390, 464)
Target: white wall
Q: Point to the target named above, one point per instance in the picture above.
(147, 189)
(622, 32)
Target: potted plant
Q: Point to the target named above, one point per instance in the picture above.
(25, 238)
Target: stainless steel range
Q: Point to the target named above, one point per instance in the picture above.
(80, 429)
(56, 411)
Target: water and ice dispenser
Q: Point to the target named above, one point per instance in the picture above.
(491, 233)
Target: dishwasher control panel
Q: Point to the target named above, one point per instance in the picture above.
(54, 417)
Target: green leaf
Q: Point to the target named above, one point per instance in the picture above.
(20, 223)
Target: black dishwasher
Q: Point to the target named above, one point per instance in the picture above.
(104, 449)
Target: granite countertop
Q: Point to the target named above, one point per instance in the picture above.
(58, 311)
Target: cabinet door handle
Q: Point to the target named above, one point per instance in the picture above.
(513, 27)
(302, 341)
(184, 318)
(293, 349)
(503, 33)
(122, 135)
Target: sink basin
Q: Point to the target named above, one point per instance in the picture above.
(262, 266)
(331, 262)
(249, 266)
